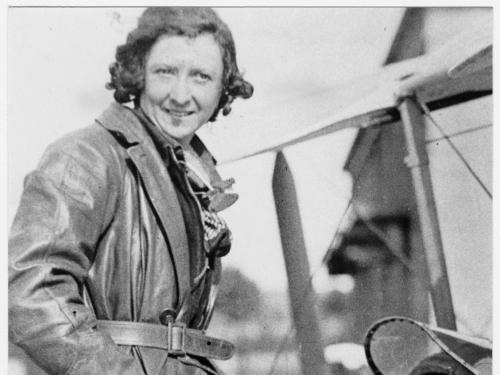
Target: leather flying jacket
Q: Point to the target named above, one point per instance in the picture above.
(99, 234)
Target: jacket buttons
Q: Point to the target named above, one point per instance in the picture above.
(167, 316)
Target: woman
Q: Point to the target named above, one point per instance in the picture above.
(114, 253)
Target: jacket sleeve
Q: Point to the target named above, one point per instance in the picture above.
(65, 206)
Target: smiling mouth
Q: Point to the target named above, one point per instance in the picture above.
(176, 113)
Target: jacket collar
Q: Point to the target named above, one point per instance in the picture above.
(122, 119)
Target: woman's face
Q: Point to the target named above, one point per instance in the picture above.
(183, 84)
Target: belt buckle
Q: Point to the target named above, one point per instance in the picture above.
(176, 333)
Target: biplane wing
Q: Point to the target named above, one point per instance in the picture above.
(462, 66)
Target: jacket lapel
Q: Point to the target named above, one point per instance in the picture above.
(158, 185)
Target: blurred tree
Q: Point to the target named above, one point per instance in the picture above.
(239, 298)
(334, 302)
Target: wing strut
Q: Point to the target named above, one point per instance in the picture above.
(297, 268)
(418, 162)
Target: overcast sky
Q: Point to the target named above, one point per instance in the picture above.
(57, 67)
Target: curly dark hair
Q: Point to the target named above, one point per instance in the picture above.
(127, 72)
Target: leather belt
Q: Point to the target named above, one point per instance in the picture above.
(174, 337)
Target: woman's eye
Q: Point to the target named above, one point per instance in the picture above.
(202, 77)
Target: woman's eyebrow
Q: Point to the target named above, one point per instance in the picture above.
(202, 70)
(212, 71)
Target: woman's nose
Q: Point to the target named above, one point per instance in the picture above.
(180, 93)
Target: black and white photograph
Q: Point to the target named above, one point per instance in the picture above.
(249, 190)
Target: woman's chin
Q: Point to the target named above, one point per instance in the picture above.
(180, 130)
